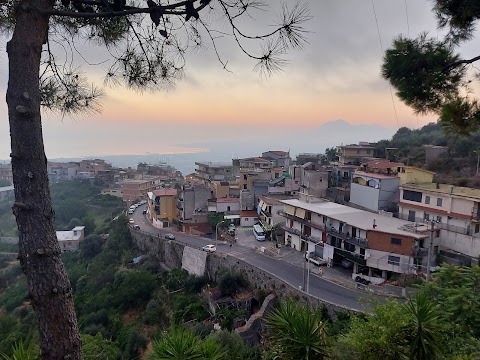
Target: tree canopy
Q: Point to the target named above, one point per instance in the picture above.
(428, 73)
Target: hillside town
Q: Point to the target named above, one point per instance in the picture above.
(375, 217)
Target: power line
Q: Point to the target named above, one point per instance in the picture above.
(406, 13)
(381, 47)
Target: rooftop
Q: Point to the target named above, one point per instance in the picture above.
(70, 234)
(374, 176)
(446, 189)
(212, 164)
(382, 164)
(277, 152)
(358, 218)
(228, 200)
(248, 213)
(165, 192)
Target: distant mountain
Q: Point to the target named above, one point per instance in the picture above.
(251, 141)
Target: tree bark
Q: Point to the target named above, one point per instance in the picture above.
(49, 289)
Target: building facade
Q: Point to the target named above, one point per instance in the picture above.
(354, 154)
(373, 245)
(456, 210)
(162, 207)
(374, 191)
(70, 240)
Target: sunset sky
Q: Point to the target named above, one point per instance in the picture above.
(336, 76)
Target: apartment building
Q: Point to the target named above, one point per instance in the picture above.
(58, 172)
(304, 158)
(354, 154)
(162, 207)
(214, 171)
(94, 166)
(278, 158)
(134, 190)
(455, 209)
(375, 246)
(268, 211)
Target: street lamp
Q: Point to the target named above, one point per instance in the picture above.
(216, 231)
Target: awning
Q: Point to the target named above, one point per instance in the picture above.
(290, 210)
(300, 213)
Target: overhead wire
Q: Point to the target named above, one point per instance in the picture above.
(381, 47)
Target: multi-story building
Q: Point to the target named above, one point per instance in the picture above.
(214, 171)
(455, 209)
(6, 173)
(374, 191)
(374, 245)
(314, 180)
(230, 207)
(94, 166)
(354, 154)
(134, 190)
(162, 207)
(278, 158)
(304, 158)
(58, 172)
(268, 211)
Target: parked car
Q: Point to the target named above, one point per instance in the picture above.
(131, 221)
(144, 211)
(130, 212)
(169, 236)
(314, 259)
(136, 227)
(209, 248)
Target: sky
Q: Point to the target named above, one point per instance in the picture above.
(336, 76)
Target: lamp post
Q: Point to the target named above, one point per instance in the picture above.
(478, 160)
(216, 231)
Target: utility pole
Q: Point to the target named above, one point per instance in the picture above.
(478, 160)
(304, 266)
(429, 275)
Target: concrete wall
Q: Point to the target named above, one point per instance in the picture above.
(170, 253)
(364, 196)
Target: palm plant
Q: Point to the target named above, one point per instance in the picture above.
(423, 332)
(21, 352)
(297, 332)
(181, 344)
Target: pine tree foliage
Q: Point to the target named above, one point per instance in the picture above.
(430, 76)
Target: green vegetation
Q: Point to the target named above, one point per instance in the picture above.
(431, 77)
(459, 161)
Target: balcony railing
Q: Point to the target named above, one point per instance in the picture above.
(301, 221)
(419, 252)
(357, 258)
(297, 232)
(362, 242)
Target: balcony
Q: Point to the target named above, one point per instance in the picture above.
(356, 258)
(362, 242)
(419, 252)
(301, 221)
(314, 239)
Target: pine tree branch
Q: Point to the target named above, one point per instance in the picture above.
(164, 9)
(461, 62)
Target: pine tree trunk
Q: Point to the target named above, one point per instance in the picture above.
(49, 289)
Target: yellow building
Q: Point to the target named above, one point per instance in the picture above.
(414, 175)
(221, 189)
(162, 207)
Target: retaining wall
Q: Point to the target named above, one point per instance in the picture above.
(170, 252)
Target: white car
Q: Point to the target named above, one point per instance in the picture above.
(209, 248)
(131, 221)
(169, 236)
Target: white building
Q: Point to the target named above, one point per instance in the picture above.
(374, 245)
(374, 191)
(455, 209)
(70, 240)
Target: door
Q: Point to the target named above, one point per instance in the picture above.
(411, 215)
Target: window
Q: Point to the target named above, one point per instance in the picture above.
(437, 233)
(244, 186)
(427, 199)
(439, 201)
(244, 177)
(411, 215)
(246, 219)
(228, 208)
(477, 228)
(426, 217)
(439, 219)
(396, 241)
(412, 195)
(394, 260)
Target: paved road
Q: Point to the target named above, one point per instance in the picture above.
(290, 273)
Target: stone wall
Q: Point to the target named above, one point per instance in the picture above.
(170, 253)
